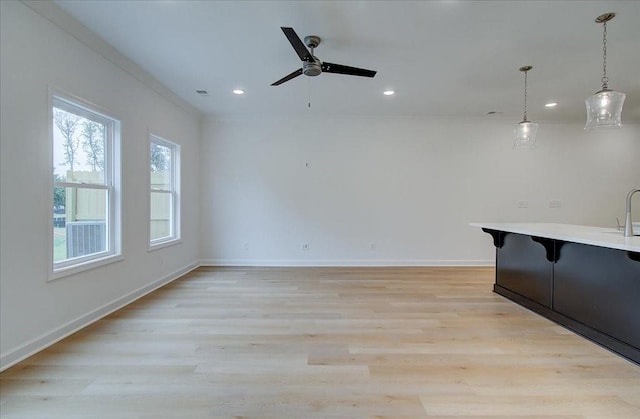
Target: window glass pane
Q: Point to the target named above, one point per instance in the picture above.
(160, 167)
(78, 148)
(160, 215)
(79, 222)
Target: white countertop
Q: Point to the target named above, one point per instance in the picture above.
(595, 236)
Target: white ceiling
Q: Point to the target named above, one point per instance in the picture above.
(443, 58)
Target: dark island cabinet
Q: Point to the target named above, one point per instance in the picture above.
(592, 290)
(599, 287)
(522, 268)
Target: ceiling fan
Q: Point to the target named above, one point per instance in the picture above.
(311, 65)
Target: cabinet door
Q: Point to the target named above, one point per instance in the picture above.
(600, 288)
(522, 267)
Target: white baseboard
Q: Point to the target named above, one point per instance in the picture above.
(34, 346)
(342, 262)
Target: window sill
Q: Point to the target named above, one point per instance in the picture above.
(85, 266)
(163, 244)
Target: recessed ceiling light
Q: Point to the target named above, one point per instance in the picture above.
(238, 92)
(551, 105)
(388, 93)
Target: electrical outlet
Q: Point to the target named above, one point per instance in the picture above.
(245, 246)
(372, 246)
(305, 246)
(554, 204)
(523, 204)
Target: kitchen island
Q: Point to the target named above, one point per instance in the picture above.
(584, 278)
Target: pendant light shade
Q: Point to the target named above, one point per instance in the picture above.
(604, 108)
(524, 134)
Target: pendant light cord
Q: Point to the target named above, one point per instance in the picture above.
(525, 97)
(605, 79)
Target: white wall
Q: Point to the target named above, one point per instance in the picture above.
(36, 55)
(411, 186)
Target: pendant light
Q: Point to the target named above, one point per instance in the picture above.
(525, 132)
(604, 108)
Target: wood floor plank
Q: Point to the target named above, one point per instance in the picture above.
(322, 343)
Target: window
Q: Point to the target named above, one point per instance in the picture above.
(86, 173)
(164, 201)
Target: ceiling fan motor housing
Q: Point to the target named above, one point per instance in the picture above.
(312, 68)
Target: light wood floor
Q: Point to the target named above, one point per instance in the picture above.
(302, 343)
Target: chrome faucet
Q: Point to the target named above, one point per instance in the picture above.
(628, 226)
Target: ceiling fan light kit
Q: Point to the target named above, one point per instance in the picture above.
(604, 108)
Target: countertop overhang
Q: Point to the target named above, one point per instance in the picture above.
(595, 236)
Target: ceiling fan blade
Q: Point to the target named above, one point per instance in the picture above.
(297, 44)
(344, 69)
(293, 75)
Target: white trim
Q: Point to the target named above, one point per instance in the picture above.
(81, 185)
(77, 267)
(176, 204)
(80, 102)
(15, 355)
(51, 91)
(56, 15)
(343, 262)
(81, 107)
(159, 244)
(112, 181)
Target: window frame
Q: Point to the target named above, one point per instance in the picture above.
(174, 176)
(111, 184)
